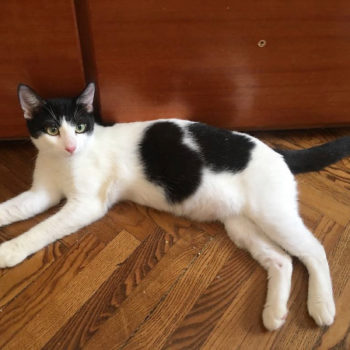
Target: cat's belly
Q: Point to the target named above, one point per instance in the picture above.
(218, 196)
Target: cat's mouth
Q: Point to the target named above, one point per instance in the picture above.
(69, 154)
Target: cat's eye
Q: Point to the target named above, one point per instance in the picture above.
(80, 128)
(52, 130)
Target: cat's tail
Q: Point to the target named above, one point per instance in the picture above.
(316, 158)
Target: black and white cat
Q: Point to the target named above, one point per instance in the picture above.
(179, 166)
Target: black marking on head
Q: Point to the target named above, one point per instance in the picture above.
(40, 113)
(168, 162)
(222, 150)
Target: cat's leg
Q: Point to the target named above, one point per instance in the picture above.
(286, 228)
(73, 216)
(27, 204)
(271, 202)
(278, 264)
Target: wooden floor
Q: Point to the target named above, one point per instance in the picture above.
(141, 279)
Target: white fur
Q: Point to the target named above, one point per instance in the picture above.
(258, 207)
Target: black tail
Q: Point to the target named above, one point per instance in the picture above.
(316, 158)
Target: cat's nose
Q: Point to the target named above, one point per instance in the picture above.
(70, 149)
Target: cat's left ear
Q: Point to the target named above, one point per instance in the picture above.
(86, 98)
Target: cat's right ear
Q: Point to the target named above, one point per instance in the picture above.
(30, 101)
(86, 97)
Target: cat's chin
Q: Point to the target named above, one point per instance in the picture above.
(69, 155)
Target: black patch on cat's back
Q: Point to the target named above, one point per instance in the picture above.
(222, 149)
(170, 163)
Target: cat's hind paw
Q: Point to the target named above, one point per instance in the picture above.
(10, 254)
(322, 311)
(274, 316)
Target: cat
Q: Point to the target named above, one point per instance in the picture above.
(183, 167)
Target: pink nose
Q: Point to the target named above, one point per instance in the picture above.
(70, 149)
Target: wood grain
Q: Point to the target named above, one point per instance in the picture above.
(184, 294)
(135, 309)
(211, 305)
(143, 279)
(101, 267)
(39, 47)
(201, 60)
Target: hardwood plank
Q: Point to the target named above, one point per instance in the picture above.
(338, 335)
(328, 233)
(20, 277)
(171, 223)
(21, 310)
(339, 258)
(329, 206)
(256, 335)
(148, 294)
(321, 183)
(211, 305)
(111, 293)
(231, 328)
(36, 332)
(311, 216)
(163, 321)
(134, 218)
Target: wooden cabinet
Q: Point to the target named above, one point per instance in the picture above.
(242, 64)
(39, 46)
(239, 64)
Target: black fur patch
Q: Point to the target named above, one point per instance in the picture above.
(168, 162)
(52, 112)
(221, 149)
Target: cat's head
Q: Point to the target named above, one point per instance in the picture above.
(59, 125)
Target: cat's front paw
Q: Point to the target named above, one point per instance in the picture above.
(322, 310)
(11, 254)
(274, 316)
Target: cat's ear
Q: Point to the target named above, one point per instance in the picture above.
(86, 98)
(30, 101)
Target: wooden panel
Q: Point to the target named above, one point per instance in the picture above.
(201, 60)
(40, 47)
